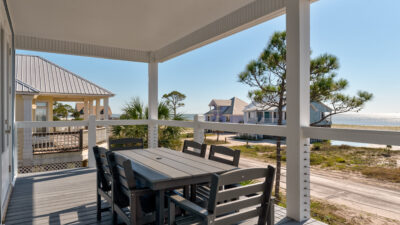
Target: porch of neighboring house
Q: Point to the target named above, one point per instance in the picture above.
(39, 85)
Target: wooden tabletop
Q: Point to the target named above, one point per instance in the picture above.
(164, 168)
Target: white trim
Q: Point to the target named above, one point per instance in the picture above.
(33, 124)
(153, 104)
(121, 122)
(352, 135)
(298, 104)
(175, 123)
(82, 49)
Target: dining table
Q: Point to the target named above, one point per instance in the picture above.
(164, 169)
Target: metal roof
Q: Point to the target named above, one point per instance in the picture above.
(21, 87)
(35, 74)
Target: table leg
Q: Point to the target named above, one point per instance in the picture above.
(160, 196)
(193, 190)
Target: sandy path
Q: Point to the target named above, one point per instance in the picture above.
(358, 193)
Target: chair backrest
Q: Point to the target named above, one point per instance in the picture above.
(194, 148)
(125, 144)
(103, 169)
(122, 174)
(247, 196)
(231, 157)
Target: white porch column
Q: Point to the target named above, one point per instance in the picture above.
(27, 154)
(198, 135)
(298, 106)
(91, 107)
(105, 110)
(153, 105)
(91, 140)
(85, 109)
(97, 109)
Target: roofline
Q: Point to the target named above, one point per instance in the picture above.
(74, 74)
(75, 95)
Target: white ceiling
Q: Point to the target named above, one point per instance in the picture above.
(145, 25)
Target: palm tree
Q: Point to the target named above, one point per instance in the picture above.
(135, 110)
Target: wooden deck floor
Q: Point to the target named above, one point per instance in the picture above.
(69, 197)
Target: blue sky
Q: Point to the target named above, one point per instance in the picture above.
(365, 36)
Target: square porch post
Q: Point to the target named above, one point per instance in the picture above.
(27, 150)
(153, 105)
(105, 109)
(298, 108)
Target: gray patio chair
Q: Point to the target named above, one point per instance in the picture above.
(223, 155)
(231, 157)
(134, 205)
(103, 181)
(125, 144)
(253, 200)
(196, 149)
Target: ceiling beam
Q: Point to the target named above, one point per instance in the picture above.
(82, 49)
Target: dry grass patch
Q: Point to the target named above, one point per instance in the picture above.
(388, 174)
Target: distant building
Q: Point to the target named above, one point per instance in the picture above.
(256, 114)
(230, 110)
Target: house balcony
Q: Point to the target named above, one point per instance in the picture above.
(267, 121)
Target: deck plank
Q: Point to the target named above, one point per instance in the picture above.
(69, 197)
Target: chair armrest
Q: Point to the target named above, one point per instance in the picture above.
(189, 206)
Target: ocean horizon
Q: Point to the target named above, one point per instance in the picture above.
(366, 119)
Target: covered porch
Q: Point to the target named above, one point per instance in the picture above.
(152, 33)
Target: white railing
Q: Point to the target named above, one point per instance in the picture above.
(351, 135)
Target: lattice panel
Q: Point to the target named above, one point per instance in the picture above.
(50, 167)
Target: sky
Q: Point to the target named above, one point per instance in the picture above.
(364, 35)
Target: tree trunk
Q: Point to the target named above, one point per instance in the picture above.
(278, 146)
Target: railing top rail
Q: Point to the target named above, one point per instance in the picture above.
(121, 122)
(34, 124)
(352, 135)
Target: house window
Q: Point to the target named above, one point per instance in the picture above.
(41, 114)
(228, 119)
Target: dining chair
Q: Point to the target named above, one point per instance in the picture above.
(252, 200)
(223, 155)
(230, 156)
(194, 148)
(103, 181)
(125, 144)
(133, 204)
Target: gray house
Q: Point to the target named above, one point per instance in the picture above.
(229, 110)
(257, 114)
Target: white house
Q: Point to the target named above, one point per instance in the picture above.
(256, 114)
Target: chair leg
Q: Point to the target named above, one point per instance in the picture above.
(114, 218)
(98, 207)
(133, 207)
(171, 212)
